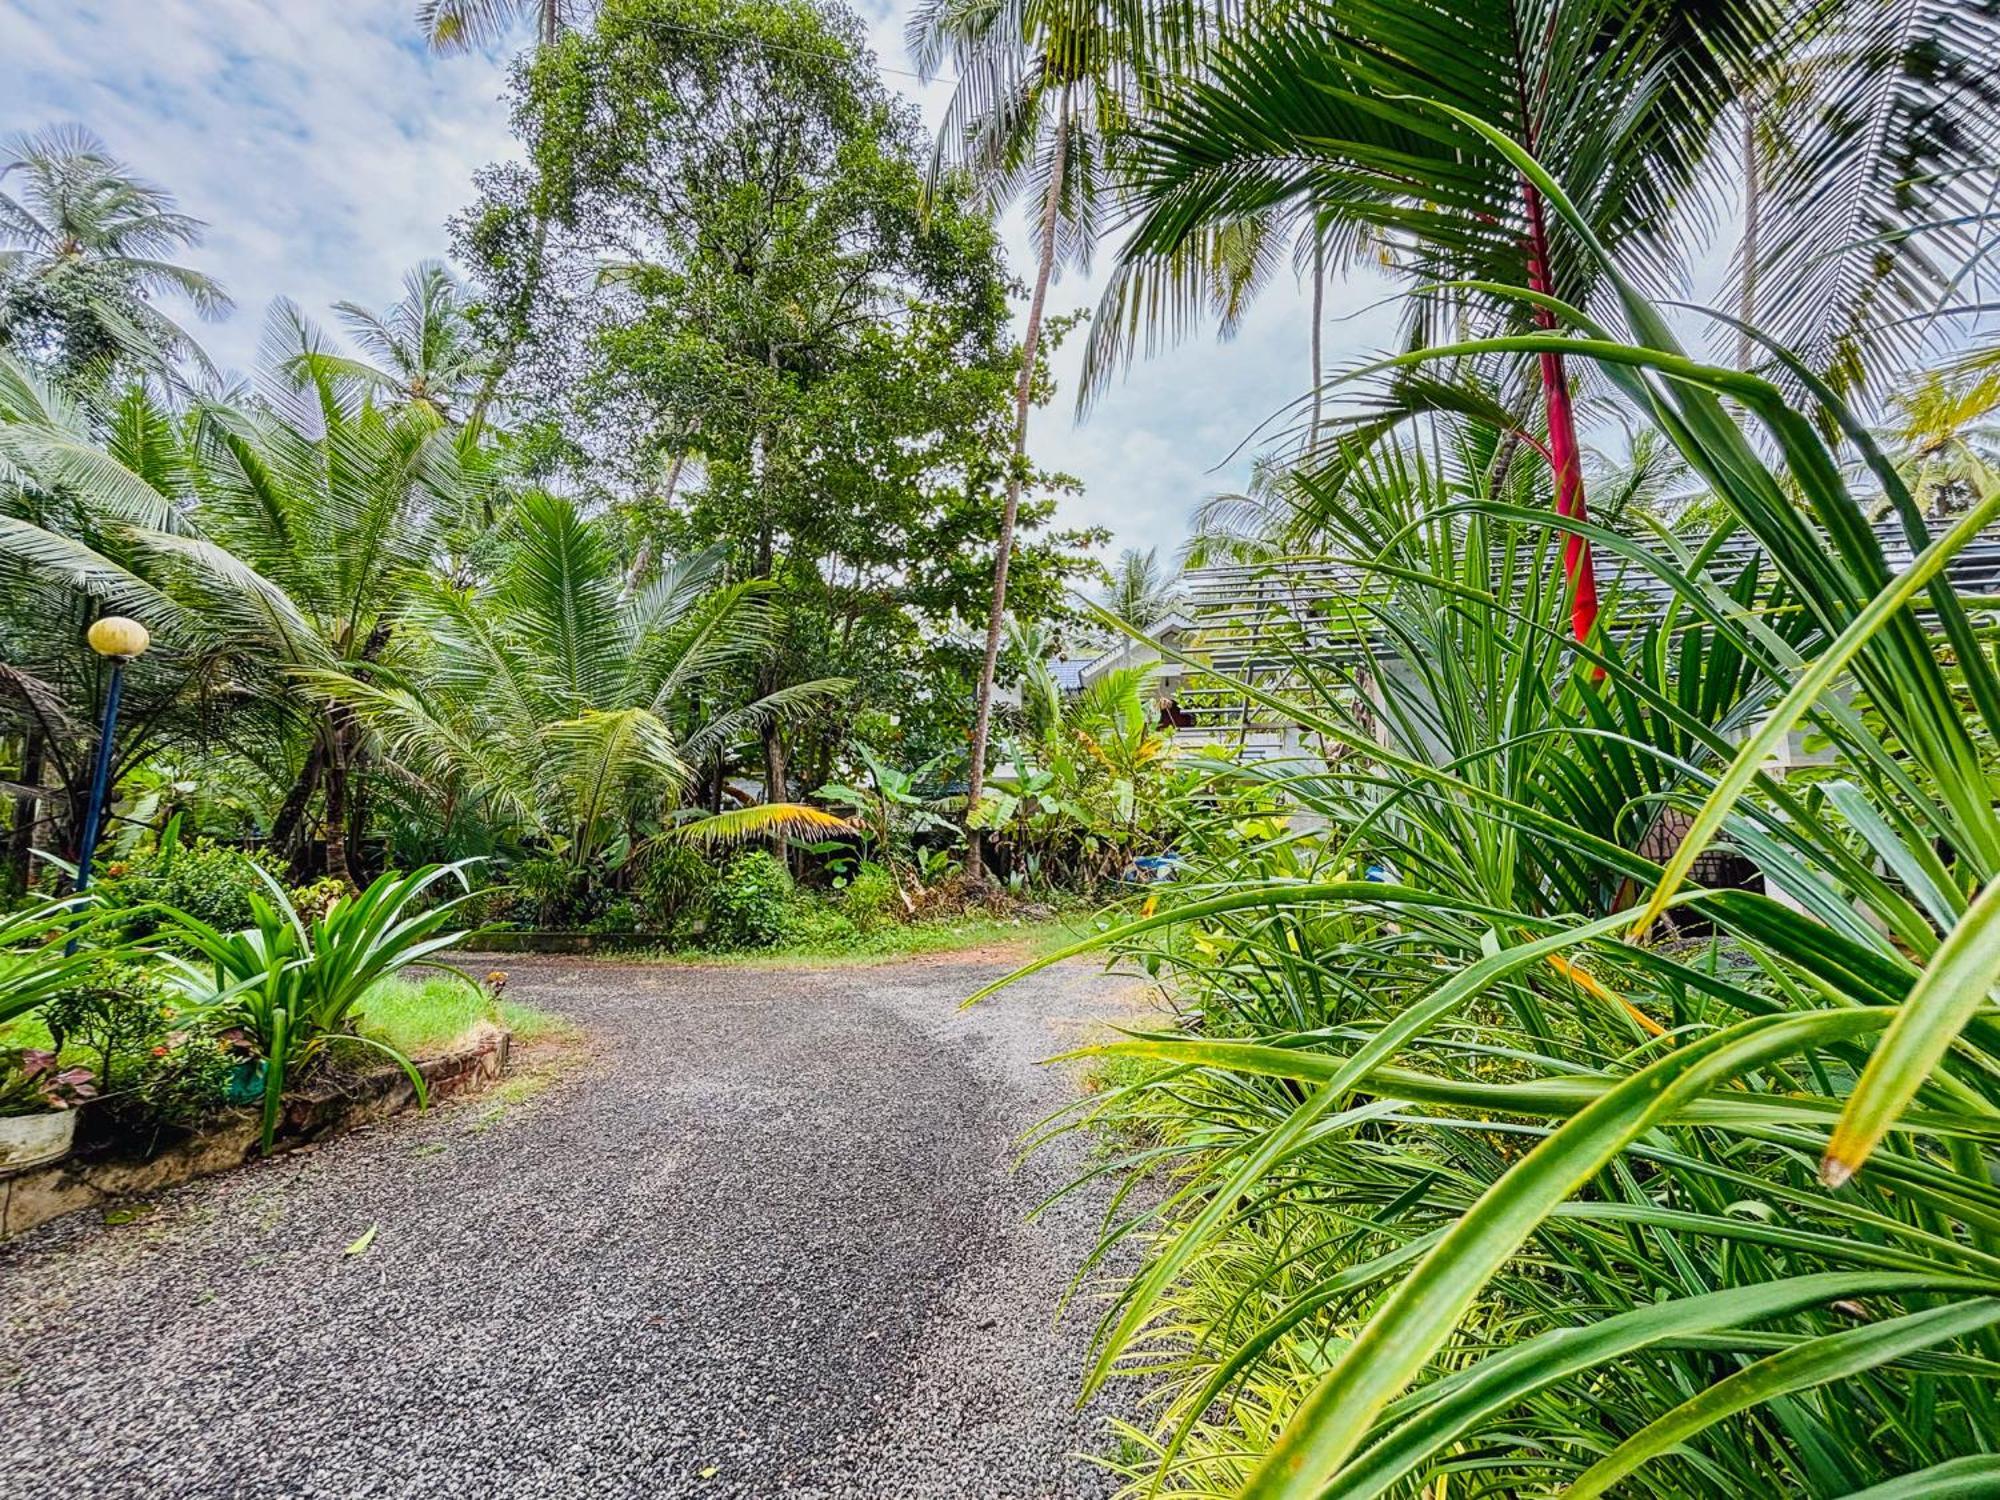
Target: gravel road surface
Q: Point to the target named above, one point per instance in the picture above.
(761, 1235)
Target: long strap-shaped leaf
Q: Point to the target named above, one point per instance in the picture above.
(1416, 1320)
(1812, 683)
(1815, 1362)
(1474, 979)
(1503, 1380)
(1974, 1477)
(1958, 981)
(1543, 1098)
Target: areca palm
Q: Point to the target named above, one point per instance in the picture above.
(567, 703)
(1042, 92)
(84, 247)
(1330, 104)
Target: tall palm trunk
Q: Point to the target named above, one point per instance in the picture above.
(1579, 572)
(1319, 317)
(337, 867)
(975, 866)
(27, 814)
(1753, 213)
(548, 26)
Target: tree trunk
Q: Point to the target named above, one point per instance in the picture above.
(975, 854)
(1579, 572)
(1753, 213)
(336, 806)
(774, 785)
(27, 814)
(357, 815)
(1318, 316)
(292, 812)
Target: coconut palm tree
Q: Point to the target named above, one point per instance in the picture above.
(461, 25)
(56, 445)
(85, 246)
(1140, 593)
(1870, 166)
(421, 349)
(282, 534)
(1042, 92)
(554, 697)
(1945, 430)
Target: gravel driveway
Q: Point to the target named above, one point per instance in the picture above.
(762, 1238)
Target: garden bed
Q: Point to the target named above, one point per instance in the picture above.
(313, 1113)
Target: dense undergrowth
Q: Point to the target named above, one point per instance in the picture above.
(1491, 1152)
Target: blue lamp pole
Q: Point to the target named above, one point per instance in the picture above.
(118, 640)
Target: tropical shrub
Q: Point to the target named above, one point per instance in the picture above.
(903, 821)
(871, 898)
(748, 904)
(553, 893)
(208, 881)
(1500, 1156)
(293, 986)
(672, 891)
(1082, 789)
(158, 1061)
(811, 923)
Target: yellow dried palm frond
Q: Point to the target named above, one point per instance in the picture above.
(764, 820)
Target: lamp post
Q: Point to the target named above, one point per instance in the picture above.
(118, 640)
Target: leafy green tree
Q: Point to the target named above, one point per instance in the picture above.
(85, 249)
(788, 352)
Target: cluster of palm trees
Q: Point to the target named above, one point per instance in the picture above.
(354, 597)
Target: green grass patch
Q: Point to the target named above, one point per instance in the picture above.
(26, 1032)
(429, 1016)
(422, 1017)
(531, 1025)
(1024, 939)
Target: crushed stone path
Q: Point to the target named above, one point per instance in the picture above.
(764, 1235)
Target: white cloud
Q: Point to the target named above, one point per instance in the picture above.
(326, 149)
(322, 145)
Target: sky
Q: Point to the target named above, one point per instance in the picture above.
(325, 149)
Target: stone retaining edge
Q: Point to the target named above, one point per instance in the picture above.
(40, 1194)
